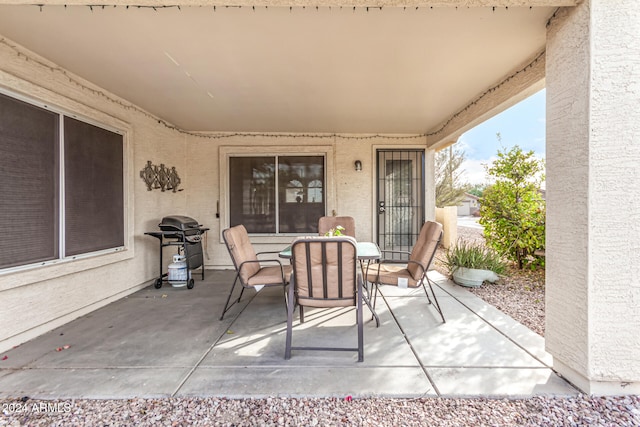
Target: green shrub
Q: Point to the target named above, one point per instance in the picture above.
(512, 210)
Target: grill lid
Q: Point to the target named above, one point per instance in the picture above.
(178, 223)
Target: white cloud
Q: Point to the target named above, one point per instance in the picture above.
(463, 145)
(473, 171)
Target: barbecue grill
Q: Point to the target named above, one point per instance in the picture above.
(186, 234)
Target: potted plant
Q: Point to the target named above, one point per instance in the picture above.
(338, 231)
(471, 264)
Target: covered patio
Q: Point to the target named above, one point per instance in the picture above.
(169, 342)
(196, 85)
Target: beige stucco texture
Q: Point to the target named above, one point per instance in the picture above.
(593, 234)
(592, 65)
(39, 298)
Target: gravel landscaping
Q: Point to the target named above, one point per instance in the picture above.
(520, 295)
(537, 411)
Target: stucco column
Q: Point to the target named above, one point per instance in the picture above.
(430, 184)
(593, 208)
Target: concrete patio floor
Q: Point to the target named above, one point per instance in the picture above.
(169, 342)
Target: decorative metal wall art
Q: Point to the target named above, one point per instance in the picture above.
(160, 177)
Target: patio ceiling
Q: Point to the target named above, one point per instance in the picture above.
(281, 69)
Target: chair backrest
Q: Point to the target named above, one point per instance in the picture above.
(326, 223)
(425, 248)
(241, 250)
(325, 271)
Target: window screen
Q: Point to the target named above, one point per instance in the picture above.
(94, 211)
(29, 183)
(34, 205)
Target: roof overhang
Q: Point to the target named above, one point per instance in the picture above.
(436, 68)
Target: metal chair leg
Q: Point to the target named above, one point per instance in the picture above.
(286, 298)
(425, 290)
(359, 316)
(226, 305)
(367, 301)
(436, 305)
(290, 307)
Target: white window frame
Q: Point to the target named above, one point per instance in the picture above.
(255, 151)
(63, 265)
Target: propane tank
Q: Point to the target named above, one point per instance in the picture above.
(178, 274)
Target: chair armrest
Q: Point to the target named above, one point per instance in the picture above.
(261, 261)
(393, 261)
(267, 252)
(270, 261)
(386, 251)
(247, 262)
(422, 268)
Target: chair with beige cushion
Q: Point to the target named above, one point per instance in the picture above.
(327, 223)
(413, 273)
(252, 272)
(325, 274)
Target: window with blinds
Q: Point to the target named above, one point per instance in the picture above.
(45, 214)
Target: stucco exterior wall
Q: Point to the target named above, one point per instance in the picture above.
(38, 299)
(349, 192)
(593, 129)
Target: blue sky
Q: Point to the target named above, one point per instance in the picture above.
(523, 125)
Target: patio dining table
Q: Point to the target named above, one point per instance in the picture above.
(366, 251)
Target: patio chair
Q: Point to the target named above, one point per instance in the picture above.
(326, 223)
(325, 274)
(252, 272)
(413, 273)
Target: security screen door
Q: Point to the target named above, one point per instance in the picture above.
(400, 200)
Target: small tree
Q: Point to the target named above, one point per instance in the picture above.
(512, 209)
(450, 189)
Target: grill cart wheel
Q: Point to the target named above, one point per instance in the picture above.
(158, 284)
(190, 284)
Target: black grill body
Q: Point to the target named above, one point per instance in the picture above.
(186, 234)
(181, 227)
(179, 223)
